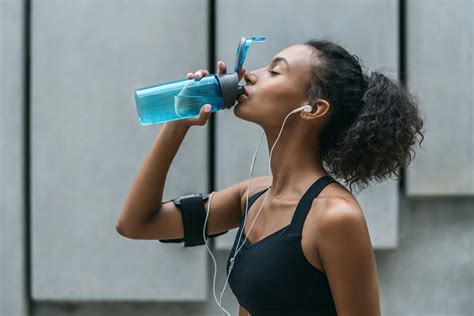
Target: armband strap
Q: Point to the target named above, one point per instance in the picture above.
(193, 215)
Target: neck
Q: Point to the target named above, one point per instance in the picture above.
(295, 161)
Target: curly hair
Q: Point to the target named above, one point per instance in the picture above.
(373, 120)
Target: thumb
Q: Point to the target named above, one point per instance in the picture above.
(204, 113)
(207, 108)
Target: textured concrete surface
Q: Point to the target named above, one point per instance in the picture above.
(120, 308)
(431, 272)
(88, 145)
(440, 71)
(13, 291)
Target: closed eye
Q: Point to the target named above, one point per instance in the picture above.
(273, 72)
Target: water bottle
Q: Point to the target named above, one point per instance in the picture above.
(182, 99)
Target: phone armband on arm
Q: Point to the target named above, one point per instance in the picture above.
(193, 214)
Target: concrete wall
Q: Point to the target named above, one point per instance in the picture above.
(440, 69)
(87, 146)
(431, 271)
(13, 265)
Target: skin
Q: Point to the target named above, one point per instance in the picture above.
(335, 237)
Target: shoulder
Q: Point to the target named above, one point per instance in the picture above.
(336, 206)
(340, 227)
(346, 255)
(335, 216)
(340, 213)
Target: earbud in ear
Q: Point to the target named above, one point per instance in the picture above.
(307, 108)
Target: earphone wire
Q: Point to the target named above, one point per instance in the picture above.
(232, 260)
(246, 207)
(219, 303)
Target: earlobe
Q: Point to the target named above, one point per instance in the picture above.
(307, 115)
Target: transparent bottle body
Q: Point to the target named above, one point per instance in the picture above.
(178, 99)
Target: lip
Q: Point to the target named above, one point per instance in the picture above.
(242, 97)
(245, 92)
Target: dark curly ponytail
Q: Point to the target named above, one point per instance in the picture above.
(373, 120)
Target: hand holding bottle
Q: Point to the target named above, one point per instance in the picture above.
(203, 115)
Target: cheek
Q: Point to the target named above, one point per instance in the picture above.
(273, 101)
(280, 95)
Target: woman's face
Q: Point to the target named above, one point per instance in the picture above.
(277, 89)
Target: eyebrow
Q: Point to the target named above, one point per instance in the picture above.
(280, 59)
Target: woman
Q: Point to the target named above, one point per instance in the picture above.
(309, 252)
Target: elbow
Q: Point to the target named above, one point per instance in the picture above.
(123, 230)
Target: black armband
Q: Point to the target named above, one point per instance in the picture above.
(193, 215)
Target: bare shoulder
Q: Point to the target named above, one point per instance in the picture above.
(340, 212)
(339, 209)
(343, 246)
(335, 209)
(334, 202)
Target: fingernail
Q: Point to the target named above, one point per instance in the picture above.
(207, 108)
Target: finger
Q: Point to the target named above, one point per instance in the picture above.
(221, 67)
(203, 115)
(206, 108)
(189, 75)
(200, 73)
(205, 111)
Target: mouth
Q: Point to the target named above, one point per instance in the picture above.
(243, 96)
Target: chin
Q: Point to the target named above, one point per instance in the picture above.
(240, 112)
(236, 109)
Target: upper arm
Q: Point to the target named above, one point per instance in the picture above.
(224, 214)
(346, 253)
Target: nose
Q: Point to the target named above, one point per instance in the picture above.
(250, 77)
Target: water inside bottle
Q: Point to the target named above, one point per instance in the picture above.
(185, 106)
(173, 103)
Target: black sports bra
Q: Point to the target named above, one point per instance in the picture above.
(273, 277)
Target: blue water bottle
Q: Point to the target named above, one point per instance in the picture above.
(181, 99)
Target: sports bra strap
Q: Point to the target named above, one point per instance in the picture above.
(253, 197)
(305, 203)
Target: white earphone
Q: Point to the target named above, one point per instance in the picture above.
(306, 108)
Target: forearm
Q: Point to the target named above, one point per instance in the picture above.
(146, 193)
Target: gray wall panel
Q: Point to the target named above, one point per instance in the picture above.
(430, 273)
(13, 300)
(440, 71)
(208, 308)
(368, 29)
(88, 57)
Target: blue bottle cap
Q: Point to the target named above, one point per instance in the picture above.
(242, 49)
(229, 83)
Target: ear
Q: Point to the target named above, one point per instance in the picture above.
(320, 108)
